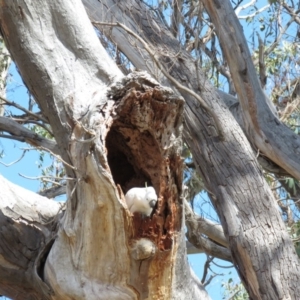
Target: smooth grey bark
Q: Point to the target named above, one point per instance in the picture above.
(248, 212)
(112, 132)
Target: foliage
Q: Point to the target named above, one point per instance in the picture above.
(234, 291)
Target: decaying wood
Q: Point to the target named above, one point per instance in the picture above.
(242, 198)
(112, 132)
(141, 126)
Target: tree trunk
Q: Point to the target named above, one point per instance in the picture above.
(112, 133)
(262, 251)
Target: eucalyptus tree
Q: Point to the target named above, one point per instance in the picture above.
(113, 130)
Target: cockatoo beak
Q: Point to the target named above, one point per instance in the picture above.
(152, 203)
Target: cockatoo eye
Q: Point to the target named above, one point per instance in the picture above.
(152, 203)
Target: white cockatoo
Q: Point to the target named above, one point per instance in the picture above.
(141, 200)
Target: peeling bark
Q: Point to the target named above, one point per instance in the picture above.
(112, 132)
(242, 198)
(140, 124)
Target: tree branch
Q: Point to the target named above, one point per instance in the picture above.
(264, 129)
(23, 134)
(204, 226)
(28, 112)
(28, 223)
(214, 231)
(53, 191)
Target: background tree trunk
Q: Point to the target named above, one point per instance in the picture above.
(236, 185)
(112, 133)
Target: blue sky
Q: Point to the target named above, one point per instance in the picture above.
(13, 150)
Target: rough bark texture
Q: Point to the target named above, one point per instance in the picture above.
(261, 248)
(263, 127)
(112, 134)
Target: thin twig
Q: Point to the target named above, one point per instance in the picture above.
(176, 83)
(223, 267)
(40, 178)
(14, 162)
(57, 157)
(210, 279)
(45, 178)
(258, 11)
(206, 266)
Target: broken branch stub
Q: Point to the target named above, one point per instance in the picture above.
(129, 137)
(144, 147)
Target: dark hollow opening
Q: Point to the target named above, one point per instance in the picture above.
(122, 164)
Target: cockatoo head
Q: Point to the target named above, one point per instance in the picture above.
(141, 200)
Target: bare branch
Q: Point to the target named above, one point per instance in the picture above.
(25, 120)
(258, 11)
(245, 6)
(204, 226)
(176, 17)
(14, 162)
(293, 13)
(264, 129)
(194, 236)
(191, 249)
(206, 266)
(21, 133)
(262, 65)
(53, 191)
(36, 116)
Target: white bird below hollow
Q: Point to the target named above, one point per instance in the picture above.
(141, 200)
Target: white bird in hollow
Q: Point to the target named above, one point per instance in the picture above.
(141, 200)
